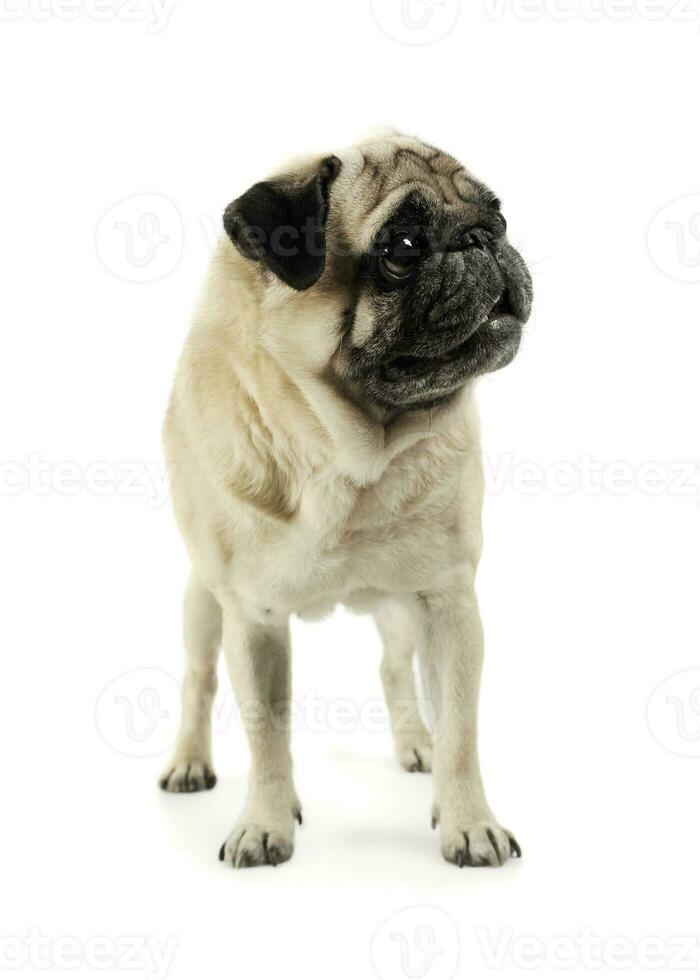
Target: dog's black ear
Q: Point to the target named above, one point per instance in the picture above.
(282, 223)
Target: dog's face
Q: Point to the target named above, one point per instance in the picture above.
(403, 284)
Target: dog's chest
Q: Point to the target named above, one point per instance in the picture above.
(349, 545)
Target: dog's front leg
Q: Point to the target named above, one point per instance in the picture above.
(450, 654)
(259, 665)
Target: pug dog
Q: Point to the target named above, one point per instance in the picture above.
(323, 448)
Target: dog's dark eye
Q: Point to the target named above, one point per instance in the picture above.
(399, 259)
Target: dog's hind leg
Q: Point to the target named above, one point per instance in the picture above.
(191, 767)
(412, 742)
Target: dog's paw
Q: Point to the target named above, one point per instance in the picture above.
(414, 750)
(250, 845)
(188, 777)
(264, 833)
(479, 843)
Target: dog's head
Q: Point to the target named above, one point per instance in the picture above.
(388, 269)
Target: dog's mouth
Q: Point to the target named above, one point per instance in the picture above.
(498, 323)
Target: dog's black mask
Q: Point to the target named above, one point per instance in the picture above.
(450, 296)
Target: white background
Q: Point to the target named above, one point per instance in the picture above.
(583, 117)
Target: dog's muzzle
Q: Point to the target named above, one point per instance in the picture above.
(462, 317)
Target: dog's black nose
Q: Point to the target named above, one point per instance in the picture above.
(477, 238)
(492, 228)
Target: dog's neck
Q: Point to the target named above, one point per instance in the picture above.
(365, 445)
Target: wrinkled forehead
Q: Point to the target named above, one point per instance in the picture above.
(377, 178)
